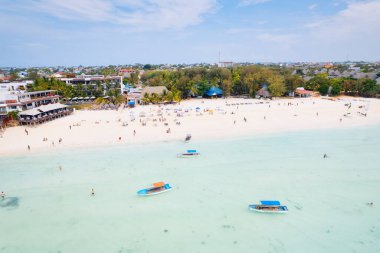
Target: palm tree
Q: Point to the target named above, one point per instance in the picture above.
(13, 115)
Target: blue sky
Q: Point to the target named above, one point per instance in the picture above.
(102, 32)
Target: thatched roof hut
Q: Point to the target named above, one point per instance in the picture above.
(159, 90)
(263, 93)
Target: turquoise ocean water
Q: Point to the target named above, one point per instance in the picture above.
(52, 210)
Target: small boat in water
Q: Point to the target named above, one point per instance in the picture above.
(156, 188)
(189, 153)
(269, 206)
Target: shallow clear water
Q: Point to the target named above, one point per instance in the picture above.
(52, 210)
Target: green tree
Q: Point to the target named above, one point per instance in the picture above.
(276, 85)
(32, 74)
(292, 82)
(369, 88)
(134, 78)
(336, 86)
(13, 115)
(319, 83)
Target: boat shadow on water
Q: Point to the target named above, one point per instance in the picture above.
(9, 203)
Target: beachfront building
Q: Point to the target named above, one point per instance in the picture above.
(301, 92)
(13, 98)
(19, 101)
(134, 96)
(107, 82)
(44, 114)
(14, 86)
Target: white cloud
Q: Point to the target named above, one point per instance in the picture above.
(132, 14)
(313, 6)
(276, 38)
(350, 34)
(358, 20)
(252, 2)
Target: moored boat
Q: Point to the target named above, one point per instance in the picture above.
(269, 206)
(189, 153)
(156, 188)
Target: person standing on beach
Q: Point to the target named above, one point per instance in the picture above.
(2, 195)
(92, 192)
(134, 132)
(28, 147)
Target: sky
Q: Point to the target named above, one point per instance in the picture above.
(37, 33)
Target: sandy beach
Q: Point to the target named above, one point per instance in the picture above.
(201, 118)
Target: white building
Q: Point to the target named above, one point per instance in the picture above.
(83, 79)
(19, 100)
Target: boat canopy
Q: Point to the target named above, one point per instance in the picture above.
(270, 202)
(158, 184)
(191, 151)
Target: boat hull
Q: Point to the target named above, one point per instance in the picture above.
(188, 156)
(279, 209)
(152, 192)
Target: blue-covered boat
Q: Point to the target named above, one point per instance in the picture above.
(156, 188)
(269, 206)
(189, 153)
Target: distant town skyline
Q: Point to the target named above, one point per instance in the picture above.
(115, 32)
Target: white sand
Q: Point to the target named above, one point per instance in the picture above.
(99, 128)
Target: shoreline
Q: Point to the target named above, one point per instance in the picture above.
(48, 151)
(216, 119)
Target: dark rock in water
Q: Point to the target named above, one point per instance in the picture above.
(166, 230)
(235, 242)
(9, 202)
